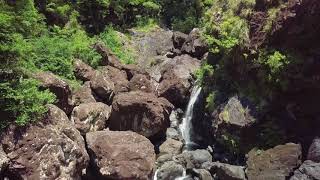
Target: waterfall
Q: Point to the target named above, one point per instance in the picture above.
(186, 126)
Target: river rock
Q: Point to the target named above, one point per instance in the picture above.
(140, 82)
(90, 117)
(140, 112)
(170, 170)
(102, 86)
(195, 45)
(121, 154)
(172, 133)
(83, 95)
(83, 71)
(314, 151)
(118, 77)
(58, 87)
(273, 164)
(171, 146)
(48, 149)
(193, 159)
(225, 171)
(202, 174)
(309, 170)
(176, 79)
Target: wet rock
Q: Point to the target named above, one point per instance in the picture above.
(90, 117)
(178, 39)
(48, 149)
(140, 112)
(273, 164)
(58, 87)
(314, 151)
(225, 171)
(176, 79)
(163, 158)
(171, 146)
(121, 154)
(193, 159)
(309, 170)
(118, 77)
(170, 170)
(194, 45)
(102, 86)
(141, 82)
(83, 71)
(83, 95)
(173, 134)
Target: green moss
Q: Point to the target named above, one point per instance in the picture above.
(225, 116)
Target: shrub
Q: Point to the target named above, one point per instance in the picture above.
(24, 99)
(113, 40)
(205, 71)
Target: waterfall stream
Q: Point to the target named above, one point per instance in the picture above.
(186, 126)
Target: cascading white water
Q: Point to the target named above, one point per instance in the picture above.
(186, 126)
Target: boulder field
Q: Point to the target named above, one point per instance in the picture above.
(123, 123)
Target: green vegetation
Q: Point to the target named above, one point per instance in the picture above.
(113, 40)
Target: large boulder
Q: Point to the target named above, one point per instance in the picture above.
(314, 151)
(170, 170)
(102, 86)
(171, 146)
(148, 45)
(177, 79)
(140, 82)
(140, 112)
(233, 124)
(121, 155)
(59, 87)
(83, 71)
(118, 77)
(50, 149)
(225, 171)
(273, 164)
(309, 170)
(195, 45)
(193, 159)
(83, 95)
(90, 117)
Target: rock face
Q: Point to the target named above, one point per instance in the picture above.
(140, 112)
(82, 70)
(151, 44)
(102, 86)
(314, 151)
(83, 95)
(225, 171)
(90, 117)
(52, 149)
(176, 79)
(4, 161)
(309, 170)
(234, 122)
(194, 45)
(59, 87)
(121, 154)
(273, 164)
(178, 39)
